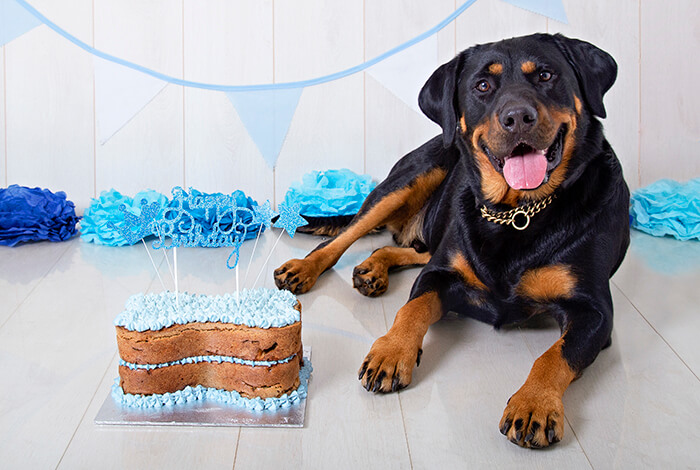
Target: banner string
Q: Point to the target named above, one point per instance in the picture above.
(239, 88)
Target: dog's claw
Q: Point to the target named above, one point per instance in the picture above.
(363, 369)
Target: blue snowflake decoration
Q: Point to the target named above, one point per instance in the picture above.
(137, 227)
(290, 219)
(263, 215)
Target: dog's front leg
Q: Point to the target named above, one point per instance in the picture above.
(534, 415)
(388, 366)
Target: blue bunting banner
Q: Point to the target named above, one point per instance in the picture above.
(266, 110)
(120, 94)
(14, 21)
(266, 116)
(553, 9)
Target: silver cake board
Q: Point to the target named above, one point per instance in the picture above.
(201, 413)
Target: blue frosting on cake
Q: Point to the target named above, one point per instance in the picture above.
(192, 394)
(262, 308)
(212, 359)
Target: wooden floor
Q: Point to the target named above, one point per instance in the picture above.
(636, 407)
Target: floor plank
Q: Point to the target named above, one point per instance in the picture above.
(660, 277)
(345, 426)
(22, 269)
(55, 348)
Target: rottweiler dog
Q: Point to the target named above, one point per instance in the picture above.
(518, 208)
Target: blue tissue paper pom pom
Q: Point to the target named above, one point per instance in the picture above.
(104, 214)
(96, 226)
(33, 214)
(330, 193)
(667, 207)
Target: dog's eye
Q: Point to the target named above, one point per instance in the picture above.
(545, 76)
(483, 86)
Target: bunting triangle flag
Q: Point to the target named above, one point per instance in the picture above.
(14, 21)
(553, 9)
(266, 116)
(405, 73)
(120, 94)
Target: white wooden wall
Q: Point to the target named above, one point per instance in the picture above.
(192, 137)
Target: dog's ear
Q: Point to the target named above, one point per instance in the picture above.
(595, 70)
(438, 101)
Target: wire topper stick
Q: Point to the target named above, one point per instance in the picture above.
(263, 215)
(289, 221)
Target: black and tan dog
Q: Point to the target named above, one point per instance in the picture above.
(518, 208)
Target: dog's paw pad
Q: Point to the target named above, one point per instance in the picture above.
(297, 276)
(369, 280)
(533, 420)
(388, 366)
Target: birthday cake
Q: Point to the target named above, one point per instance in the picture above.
(243, 349)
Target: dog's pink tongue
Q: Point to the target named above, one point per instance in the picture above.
(525, 171)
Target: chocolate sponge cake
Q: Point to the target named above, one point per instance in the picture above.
(249, 344)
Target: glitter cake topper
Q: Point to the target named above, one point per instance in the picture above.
(137, 227)
(290, 219)
(226, 223)
(263, 214)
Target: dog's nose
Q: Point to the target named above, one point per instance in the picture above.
(519, 118)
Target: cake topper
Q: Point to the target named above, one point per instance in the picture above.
(205, 220)
(137, 227)
(290, 219)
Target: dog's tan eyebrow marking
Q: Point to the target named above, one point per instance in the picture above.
(577, 105)
(528, 66)
(547, 283)
(496, 68)
(463, 124)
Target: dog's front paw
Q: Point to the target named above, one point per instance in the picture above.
(296, 275)
(533, 418)
(370, 278)
(388, 366)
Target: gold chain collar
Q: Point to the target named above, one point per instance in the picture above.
(522, 212)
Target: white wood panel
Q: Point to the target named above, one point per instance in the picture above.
(3, 162)
(493, 20)
(49, 101)
(670, 127)
(316, 38)
(392, 127)
(614, 27)
(74, 16)
(148, 151)
(226, 43)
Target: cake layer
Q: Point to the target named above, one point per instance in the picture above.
(261, 308)
(208, 339)
(248, 381)
(199, 393)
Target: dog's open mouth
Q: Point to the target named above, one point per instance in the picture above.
(526, 166)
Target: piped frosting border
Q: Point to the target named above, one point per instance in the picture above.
(200, 393)
(211, 359)
(261, 308)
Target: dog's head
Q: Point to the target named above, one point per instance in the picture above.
(519, 106)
